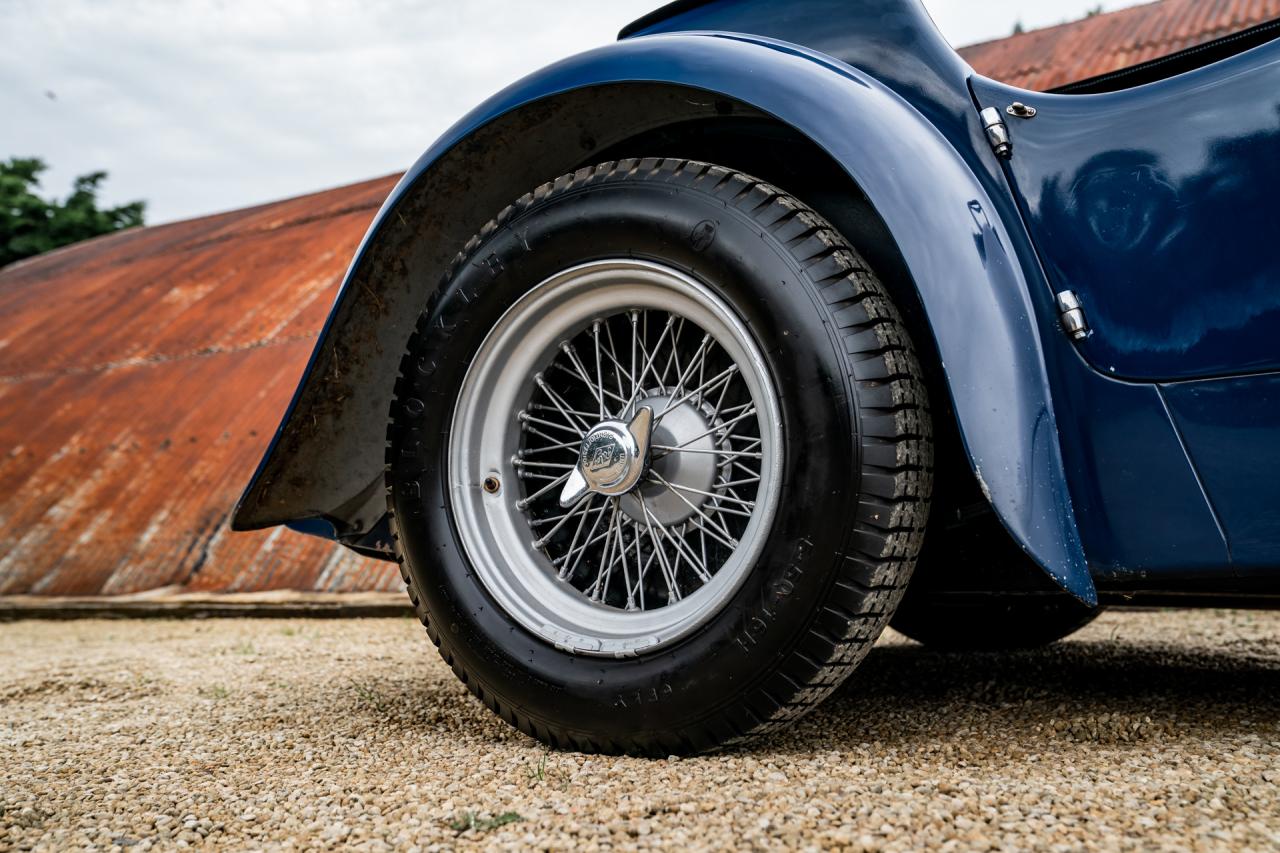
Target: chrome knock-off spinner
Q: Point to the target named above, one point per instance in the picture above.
(612, 458)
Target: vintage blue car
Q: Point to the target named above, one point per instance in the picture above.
(676, 371)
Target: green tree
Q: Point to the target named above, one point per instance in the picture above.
(30, 225)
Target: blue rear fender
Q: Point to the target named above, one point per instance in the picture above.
(327, 457)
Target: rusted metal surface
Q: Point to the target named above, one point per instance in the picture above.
(1054, 56)
(141, 376)
(180, 603)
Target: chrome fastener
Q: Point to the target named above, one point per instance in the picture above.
(997, 132)
(1072, 315)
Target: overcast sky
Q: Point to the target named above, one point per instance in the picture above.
(199, 106)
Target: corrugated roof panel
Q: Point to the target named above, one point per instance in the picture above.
(1054, 56)
(141, 377)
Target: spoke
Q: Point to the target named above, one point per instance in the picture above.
(528, 418)
(540, 521)
(571, 446)
(622, 374)
(732, 496)
(523, 503)
(691, 490)
(716, 428)
(699, 525)
(557, 365)
(673, 358)
(563, 573)
(727, 454)
(581, 373)
(577, 413)
(594, 591)
(699, 357)
(732, 424)
(595, 333)
(732, 491)
(619, 552)
(641, 571)
(746, 481)
(644, 371)
(560, 404)
(682, 547)
(541, 542)
(702, 369)
(726, 510)
(668, 572)
(533, 430)
(626, 574)
(715, 412)
(569, 568)
(591, 540)
(520, 463)
(727, 539)
(635, 389)
(723, 376)
(617, 373)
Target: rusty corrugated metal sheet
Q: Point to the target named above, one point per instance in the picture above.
(142, 374)
(1054, 56)
(141, 377)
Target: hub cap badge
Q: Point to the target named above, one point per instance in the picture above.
(612, 458)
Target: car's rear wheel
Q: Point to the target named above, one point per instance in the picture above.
(659, 461)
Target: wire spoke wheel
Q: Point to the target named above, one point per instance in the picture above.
(615, 457)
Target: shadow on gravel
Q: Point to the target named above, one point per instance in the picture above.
(1103, 692)
(1129, 694)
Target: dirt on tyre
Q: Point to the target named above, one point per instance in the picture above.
(659, 461)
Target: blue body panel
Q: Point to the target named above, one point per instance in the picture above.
(1158, 207)
(1232, 427)
(1073, 460)
(1142, 512)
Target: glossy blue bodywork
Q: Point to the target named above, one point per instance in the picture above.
(1231, 428)
(1089, 473)
(1158, 207)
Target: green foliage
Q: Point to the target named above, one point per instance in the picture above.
(471, 821)
(30, 225)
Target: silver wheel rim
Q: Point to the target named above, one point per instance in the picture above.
(615, 574)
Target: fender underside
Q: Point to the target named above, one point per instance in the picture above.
(968, 270)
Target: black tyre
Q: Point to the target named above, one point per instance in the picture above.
(991, 623)
(794, 549)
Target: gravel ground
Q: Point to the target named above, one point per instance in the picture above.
(1146, 730)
